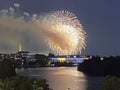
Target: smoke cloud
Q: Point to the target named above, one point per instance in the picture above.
(60, 31)
(16, 30)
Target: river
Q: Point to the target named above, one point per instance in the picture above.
(62, 78)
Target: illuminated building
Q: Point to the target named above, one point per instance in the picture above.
(73, 59)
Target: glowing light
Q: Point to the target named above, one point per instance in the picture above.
(63, 32)
(101, 58)
(61, 59)
(20, 48)
(79, 60)
(54, 59)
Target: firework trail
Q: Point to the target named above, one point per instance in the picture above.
(61, 31)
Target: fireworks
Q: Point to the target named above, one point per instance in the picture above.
(63, 32)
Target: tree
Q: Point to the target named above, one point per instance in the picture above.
(110, 83)
(23, 83)
(6, 68)
(41, 59)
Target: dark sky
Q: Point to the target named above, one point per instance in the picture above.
(99, 18)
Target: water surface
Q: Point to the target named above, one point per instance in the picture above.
(62, 78)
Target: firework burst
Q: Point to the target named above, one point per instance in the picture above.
(63, 32)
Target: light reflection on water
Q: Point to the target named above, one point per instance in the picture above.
(62, 78)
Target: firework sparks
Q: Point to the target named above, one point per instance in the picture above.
(63, 32)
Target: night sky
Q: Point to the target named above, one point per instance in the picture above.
(99, 18)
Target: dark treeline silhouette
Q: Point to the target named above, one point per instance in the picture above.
(39, 60)
(97, 67)
(10, 80)
(7, 68)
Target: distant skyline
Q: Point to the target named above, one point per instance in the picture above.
(99, 18)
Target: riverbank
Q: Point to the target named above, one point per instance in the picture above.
(9, 80)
